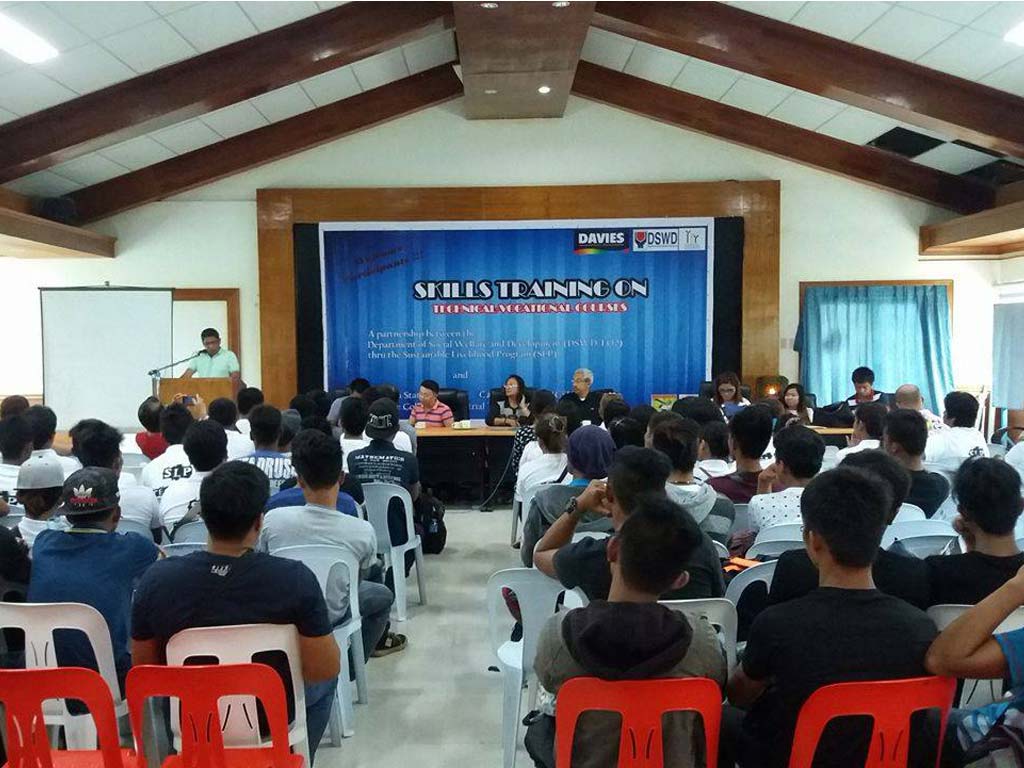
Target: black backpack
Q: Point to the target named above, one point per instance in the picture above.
(428, 516)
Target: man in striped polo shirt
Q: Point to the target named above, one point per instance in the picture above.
(431, 411)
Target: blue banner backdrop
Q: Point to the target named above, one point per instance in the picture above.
(468, 303)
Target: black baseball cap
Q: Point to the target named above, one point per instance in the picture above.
(382, 421)
(90, 490)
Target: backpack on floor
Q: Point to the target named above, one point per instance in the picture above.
(428, 515)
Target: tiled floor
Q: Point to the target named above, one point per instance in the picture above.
(435, 704)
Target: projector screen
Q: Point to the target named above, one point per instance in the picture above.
(98, 344)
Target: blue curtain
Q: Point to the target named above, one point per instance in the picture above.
(899, 331)
(1007, 383)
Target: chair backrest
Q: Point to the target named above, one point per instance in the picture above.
(976, 693)
(642, 704)
(180, 549)
(39, 621)
(377, 497)
(720, 613)
(200, 690)
(134, 526)
(191, 533)
(889, 703)
(721, 550)
(909, 513)
(900, 531)
(537, 594)
(928, 544)
(775, 547)
(762, 572)
(322, 560)
(22, 693)
(133, 461)
(783, 532)
(457, 400)
(237, 645)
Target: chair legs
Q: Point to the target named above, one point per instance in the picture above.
(515, 523)
(359, 667)
(421, 582)
(401, 589)
(512, 701)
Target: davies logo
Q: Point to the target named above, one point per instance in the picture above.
(601, 240)
(656, 239)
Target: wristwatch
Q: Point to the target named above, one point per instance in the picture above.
(570, 507)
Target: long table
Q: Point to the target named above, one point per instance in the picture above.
(476, 458)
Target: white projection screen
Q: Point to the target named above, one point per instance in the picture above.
(98, 344)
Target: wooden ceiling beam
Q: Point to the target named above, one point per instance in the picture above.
(213, 80)
(868, 164)
(826, 66)
(13, 201)
(271, 142)
(25, 236)
(993, 234)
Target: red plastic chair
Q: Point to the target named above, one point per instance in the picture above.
(23, 691)
(889, 702)
(641, 704)
(198, 689)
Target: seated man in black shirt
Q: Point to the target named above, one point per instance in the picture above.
(229, 584)
(987, 492)
(584, 401)
(894, 574)
(844, 631)
(634, 473)
(905, 438)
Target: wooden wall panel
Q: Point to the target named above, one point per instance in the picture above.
(229, 296)
(278, 209)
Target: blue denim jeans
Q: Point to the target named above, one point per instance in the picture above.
(319, 698)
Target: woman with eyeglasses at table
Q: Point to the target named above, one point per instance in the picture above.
(507, 411)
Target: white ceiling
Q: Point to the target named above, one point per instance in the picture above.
(103, 43)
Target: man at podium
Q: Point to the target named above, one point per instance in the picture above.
(214, 362)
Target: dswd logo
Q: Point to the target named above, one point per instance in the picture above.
(656, 239)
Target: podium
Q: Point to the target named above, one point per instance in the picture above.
(208, 389)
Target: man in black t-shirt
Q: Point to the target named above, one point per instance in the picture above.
(894, 574)
(584, 401)
(634, 473)
(988, 498)
(905, 438)
(231, 584)
(844, 631)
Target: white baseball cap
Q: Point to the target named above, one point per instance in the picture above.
(40, 472)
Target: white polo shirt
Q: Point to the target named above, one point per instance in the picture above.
(948, 448)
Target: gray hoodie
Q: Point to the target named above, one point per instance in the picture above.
(713, 513)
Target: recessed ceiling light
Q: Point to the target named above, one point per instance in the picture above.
(22, 43)
(1015, 35)
(489, 6)
(561, 4)
(490, 91)
(544, 89)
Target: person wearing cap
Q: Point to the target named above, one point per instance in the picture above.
(90, 563)
(40, 485)
(265, 428)
(382, 462)
(589, 453)
(430, 411)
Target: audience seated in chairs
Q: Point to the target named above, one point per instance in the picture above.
(798, 455)
(894, 574)
(43, 422)
(353, 415)
(749, 433)
(959, 439)
(611, 406)
(987, 493)
(909, 396)
(678, 439)
(713, 456)
(151, 441)
(40, 486)
(625, 430)
(15, 448)
(630, 637)
(589, 454)
(206, 445)
(552, 465)
(405, 437)
(90, 563)
(525, 447)
(634, 474)
(172, 464)
(868, 426)
(265, 426)
(229, 583)
(224, 411)
(355, 390)
(843, 631)
(905, 439)
(318, 460)
(248, 398)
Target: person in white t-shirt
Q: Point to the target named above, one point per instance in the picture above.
(551, 466)
(97, 444)
(909, 396)
(948, 448)
(15, 449)
(353, 415)
(248, 398)
(43, 422)
(40, 485)
(868, 426)
(798, 455)
(713, 457)
(224, 412)
(206, 446)
(172, 464)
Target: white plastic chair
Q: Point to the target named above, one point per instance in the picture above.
(322, 559)
(947, 511)
(378, 496)
(976, 693)
(182, 548)
(517, 510)
(12, 518)
(134, 526)
(537, 594)
(39, 621)
(237, 645)
(191, 533)
(908, 513)
(763, 572)
(581, 535)
(720, 613)
(776, 539)
(133, 463)
(721, 550)
(996, 450)
(920, 537)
